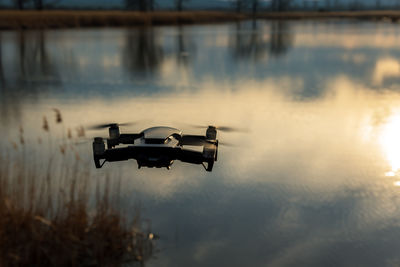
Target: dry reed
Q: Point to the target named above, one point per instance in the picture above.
(52, 213)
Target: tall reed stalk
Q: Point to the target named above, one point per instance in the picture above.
(55, 212)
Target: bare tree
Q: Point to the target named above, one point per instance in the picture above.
(274, 4)
(239, 4)
(328, 4)
(150, 5)
(280, 5)
(19, 4)
(38, 4)
(2, 76)
(254, 6)
(337, 4)
(142, 5)
(378, 4)
(179, 4)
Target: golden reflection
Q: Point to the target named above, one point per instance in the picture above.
(390, 142)
(385, 68)
(390, 174)
(309, 140)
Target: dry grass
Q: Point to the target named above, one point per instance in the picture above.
(55, 212)
(75, 19)
(367, 15)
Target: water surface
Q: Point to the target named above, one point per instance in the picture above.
(314, 182)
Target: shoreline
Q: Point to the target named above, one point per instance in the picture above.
(50, 19)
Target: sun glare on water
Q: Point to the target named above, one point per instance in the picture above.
(390, 142)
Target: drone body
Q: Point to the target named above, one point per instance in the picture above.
(156, 147)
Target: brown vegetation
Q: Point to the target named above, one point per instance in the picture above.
(55, 212)
(368, 15)
(75, 19)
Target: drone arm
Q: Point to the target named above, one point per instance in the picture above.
(192, 140)
(119, 154)
(190, 156)
(128, 139)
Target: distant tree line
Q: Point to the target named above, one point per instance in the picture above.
(36, 4)
(276, 5)
(148, 5)
(142, 5)
(238, 5)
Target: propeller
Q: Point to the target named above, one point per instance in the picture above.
(107, 125)
(221, 128)
(86, 140)
(201, 142)
(226, 144)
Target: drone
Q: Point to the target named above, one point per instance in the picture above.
(156, 147)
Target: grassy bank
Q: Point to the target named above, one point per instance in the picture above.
(76, 19)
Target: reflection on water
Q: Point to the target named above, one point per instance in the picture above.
(256, 43)
(31, 71)
(391, 144)
(143, 53)
(314, 182)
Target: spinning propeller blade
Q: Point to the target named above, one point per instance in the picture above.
(221, 128)
(107, 125)
(226, 144)
(228, 129)
(86, 140)
(201, 142)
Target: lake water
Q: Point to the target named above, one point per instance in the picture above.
(315, 180)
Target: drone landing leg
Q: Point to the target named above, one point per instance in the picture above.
(103, 163)
(97, 163)
(209, 166)
(202, 164)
